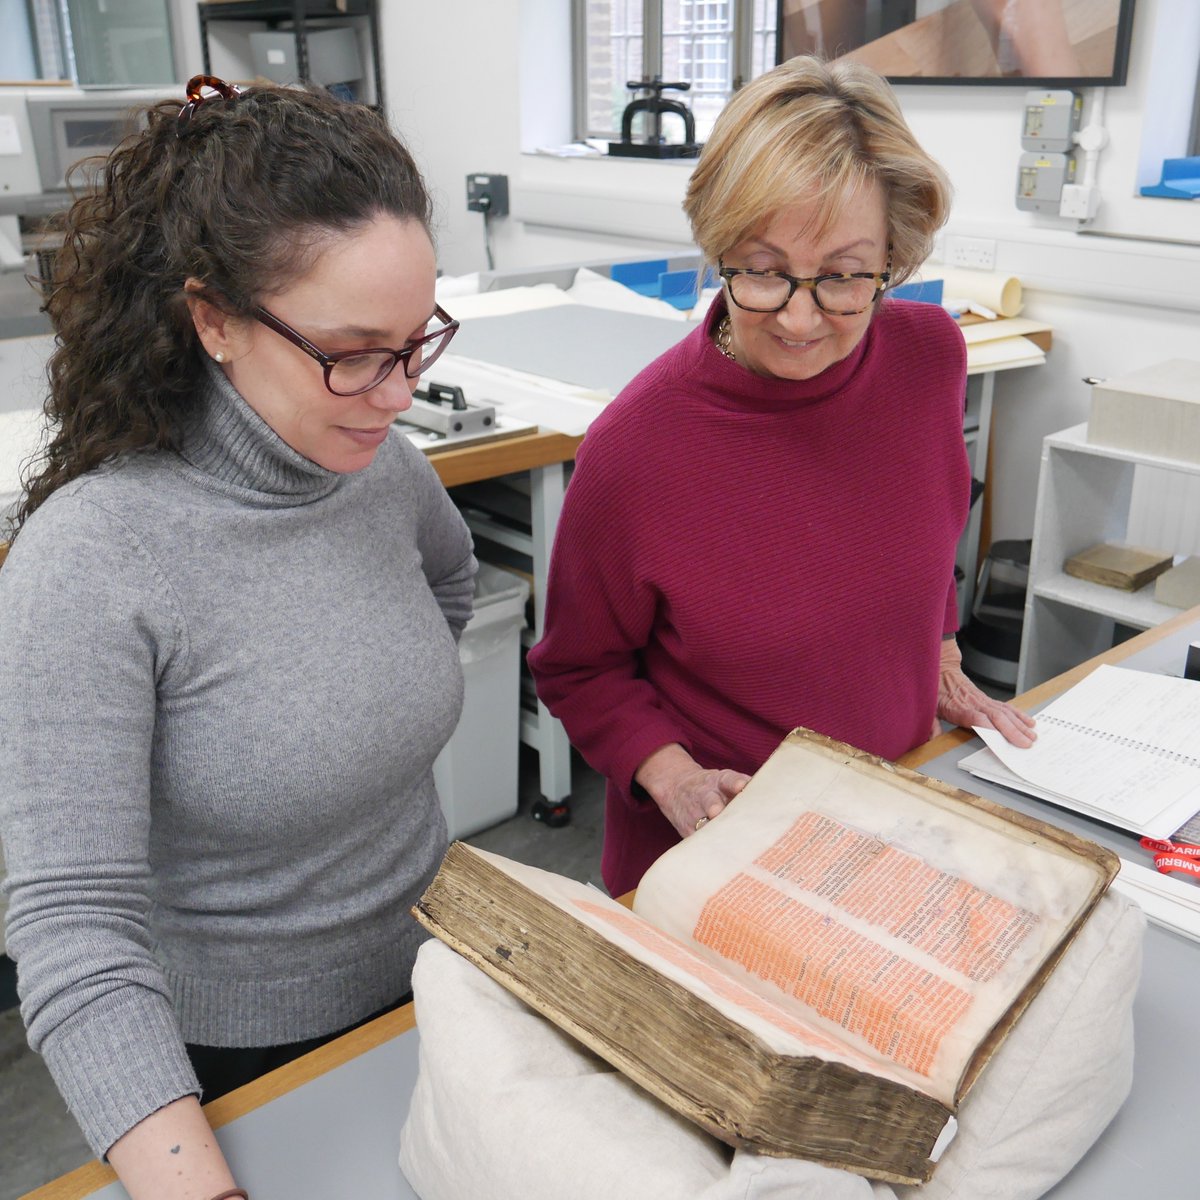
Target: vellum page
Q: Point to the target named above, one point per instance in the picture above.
(870, 906)
(782, 1029)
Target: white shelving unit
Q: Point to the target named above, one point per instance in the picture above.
(1084, 497)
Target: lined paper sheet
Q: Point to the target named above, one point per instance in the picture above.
(1120, 746)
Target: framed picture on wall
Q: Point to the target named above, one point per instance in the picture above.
(1030, 43)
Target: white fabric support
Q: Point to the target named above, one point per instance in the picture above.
(507, 1106)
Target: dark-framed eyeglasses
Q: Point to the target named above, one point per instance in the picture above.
(840, 294)
(351, 372)
(196, 97)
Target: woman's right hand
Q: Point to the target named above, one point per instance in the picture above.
(688, 794)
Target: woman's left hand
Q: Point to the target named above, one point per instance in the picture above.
(961, 703)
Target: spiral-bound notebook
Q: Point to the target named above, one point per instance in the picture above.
(1121, 746)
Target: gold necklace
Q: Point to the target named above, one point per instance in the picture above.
(724, 337)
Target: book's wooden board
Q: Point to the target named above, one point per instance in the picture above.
(670, 1042)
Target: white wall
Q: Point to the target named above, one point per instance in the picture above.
(467, 83)
(452, 90)
(1118, 302)
(461, 77)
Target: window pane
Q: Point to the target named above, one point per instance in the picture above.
(614, 56)
(121, 41)
(698, 48)
(32, 47)
(763, 52)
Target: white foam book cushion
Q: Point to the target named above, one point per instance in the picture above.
(508, 1106)
(1060, 1076)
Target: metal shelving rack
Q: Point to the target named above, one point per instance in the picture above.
(297, 13)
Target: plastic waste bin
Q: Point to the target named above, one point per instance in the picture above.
(476, 772)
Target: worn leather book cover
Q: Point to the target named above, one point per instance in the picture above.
(1118, 565)
(821, 972)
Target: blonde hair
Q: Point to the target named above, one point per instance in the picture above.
(815, 131)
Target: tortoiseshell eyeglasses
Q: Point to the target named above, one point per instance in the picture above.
(351, 372)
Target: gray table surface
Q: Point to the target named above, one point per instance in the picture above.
(22, 371)
(338, 1135)
(590, 347)
(22, 387)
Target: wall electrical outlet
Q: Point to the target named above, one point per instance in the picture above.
(979, 253)
(488, 194)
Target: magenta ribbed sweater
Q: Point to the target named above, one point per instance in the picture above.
(738, 556)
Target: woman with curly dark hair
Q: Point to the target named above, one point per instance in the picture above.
(228, 620)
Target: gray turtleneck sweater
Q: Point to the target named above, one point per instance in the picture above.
(224, 676)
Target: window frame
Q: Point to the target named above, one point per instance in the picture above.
(741, 54)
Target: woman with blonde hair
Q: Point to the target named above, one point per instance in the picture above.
(786, 486)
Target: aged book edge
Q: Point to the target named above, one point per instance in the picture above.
(516, 960)
(1142, 567)
(547, 1002)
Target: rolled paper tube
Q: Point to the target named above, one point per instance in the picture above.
(1000, 293)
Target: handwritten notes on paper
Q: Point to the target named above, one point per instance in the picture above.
(1121, 746)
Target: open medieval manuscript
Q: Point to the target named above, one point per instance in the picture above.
(822, 971)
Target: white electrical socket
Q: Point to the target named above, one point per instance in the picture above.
(979, 253)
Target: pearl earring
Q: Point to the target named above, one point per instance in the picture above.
(219, 356)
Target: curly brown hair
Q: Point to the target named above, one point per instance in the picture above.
(241, 198)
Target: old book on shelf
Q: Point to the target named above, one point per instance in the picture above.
(821, 972)
(1118, 565)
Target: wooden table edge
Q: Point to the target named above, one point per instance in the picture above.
(488, 460)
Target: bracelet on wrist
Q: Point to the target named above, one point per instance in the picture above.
(232, 1194)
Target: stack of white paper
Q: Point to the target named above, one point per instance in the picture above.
(1121, 747)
